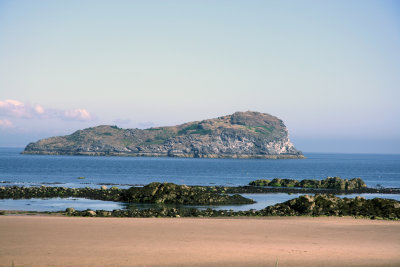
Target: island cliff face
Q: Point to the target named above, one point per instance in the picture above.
(240, 135)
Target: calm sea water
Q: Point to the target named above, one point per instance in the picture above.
(19, 169)
(31, 170)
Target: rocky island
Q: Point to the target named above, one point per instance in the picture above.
(240, 135)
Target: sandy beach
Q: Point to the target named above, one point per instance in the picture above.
(66, 241)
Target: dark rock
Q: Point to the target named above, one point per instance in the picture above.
(318, 205)
(170, 193)
(70, 211)
(329, 205)
(330, 183)
(308, 183)
(16, 192)
(260, 182)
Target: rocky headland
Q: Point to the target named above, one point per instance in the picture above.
(240, 135)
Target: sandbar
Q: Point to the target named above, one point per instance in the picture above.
(286, 241)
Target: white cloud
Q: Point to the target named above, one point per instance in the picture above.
(17, 109)
(6, 124)
(39, 109)
(77, 114)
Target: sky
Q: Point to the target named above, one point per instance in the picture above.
(329, 69)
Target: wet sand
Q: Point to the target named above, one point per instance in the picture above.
(300, 241)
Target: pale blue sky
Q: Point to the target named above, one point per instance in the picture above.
(329, 69)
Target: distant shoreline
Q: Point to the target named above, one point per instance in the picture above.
(164, 155)
(21, 148)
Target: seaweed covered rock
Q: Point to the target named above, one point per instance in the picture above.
(260, 182)
(355, 183)
(17, 192)
(318, 205)
(310, 183)
(163, 211)
(284, 182)
(170, 193)
(330, 182)
(330, 205)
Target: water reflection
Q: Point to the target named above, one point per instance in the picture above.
(58, 204)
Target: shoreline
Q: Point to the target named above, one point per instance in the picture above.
(164, 155)
(292, 241)
(183, 196)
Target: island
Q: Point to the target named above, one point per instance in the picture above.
(240, 135)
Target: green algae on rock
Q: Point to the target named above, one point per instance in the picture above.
(317, 205)
(330, 182)
(330, 205)
(170, 193)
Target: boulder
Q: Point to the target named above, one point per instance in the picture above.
(90, 213)
(328, 205)
(260, 182)
(70, 211)
(329, 182)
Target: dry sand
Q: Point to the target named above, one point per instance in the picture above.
(66, 241)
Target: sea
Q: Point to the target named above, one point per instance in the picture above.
(377, 170)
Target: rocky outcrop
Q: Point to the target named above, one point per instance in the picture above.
(164, 193)
(330, 182)
(330, 205)
(318, 205)
(18, 192)
(240, 135)
(169, 193)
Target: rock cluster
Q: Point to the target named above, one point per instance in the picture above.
(152, 193)
(330, 205)
(330, 182)
(18, 192)
(170, 193)
(161, 212)
(317, 205)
